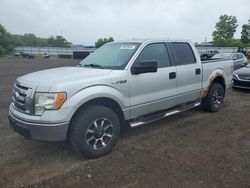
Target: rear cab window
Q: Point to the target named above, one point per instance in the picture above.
(183, 53)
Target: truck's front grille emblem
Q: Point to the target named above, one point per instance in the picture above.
(20, 95)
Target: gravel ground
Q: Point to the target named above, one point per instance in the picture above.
(191, 149)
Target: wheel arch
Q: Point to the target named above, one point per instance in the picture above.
(217, 78)
(102, 101)
(220, 80)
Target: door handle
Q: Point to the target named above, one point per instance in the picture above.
(172, 75)
(197, 71)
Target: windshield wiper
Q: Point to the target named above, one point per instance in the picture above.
(93, 65)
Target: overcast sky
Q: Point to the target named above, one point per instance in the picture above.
(83, 22)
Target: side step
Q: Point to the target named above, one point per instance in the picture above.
(145, 120)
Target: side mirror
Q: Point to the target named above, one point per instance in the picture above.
(144, 67)
(243, 65)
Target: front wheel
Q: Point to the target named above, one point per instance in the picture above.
(214, 99)
(94, 131)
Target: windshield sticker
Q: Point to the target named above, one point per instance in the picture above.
(127, 47)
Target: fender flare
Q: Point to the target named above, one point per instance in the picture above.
(94, 92)
(218, 73)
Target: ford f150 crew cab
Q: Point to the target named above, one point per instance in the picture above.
(122, 83)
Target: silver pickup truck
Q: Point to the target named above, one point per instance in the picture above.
(131, 82)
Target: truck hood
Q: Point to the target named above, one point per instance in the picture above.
(47, 78)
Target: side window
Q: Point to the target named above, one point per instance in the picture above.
(183, 53)
(239, 56)
(157, 52)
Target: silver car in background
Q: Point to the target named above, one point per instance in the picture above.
(239, 59)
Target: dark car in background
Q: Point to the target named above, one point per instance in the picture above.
(241, 77)
(29, 56)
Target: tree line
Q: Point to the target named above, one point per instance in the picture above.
(101, 41)
(224, 32)
(8, 41)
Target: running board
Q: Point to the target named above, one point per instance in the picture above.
(162, 115)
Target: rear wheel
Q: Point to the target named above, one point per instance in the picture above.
(214, 99)
(94, 131)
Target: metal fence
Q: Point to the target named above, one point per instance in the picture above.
(50, 50)
(219, 49)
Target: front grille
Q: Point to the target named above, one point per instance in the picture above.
(244, 77)
(241, 83)
(22, 98)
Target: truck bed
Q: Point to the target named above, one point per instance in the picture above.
(210, 66)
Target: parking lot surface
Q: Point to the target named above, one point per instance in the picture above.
(191, 149)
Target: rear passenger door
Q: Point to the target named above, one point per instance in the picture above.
(189, 72)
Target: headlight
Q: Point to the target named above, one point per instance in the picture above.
(235, 76)
(48, 101)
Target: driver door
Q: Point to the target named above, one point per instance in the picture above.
(150, 92)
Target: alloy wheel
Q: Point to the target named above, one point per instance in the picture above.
(99, 133)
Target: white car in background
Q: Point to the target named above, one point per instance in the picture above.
(239, 59)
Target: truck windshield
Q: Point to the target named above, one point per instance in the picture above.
(111, 56)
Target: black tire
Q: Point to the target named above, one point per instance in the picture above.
(214, 99)
(94, 131)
